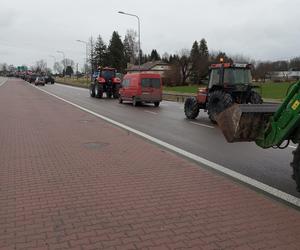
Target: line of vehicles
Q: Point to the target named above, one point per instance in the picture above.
(135, 87)
(37, 79)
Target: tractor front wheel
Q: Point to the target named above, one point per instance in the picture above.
(191, 108)
(296, 167)
(218, 101)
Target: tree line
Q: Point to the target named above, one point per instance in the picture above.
(187, 65)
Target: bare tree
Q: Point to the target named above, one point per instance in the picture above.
(58, 67)
(131, 46)
(91, 56)
(184, 63)
(3, 67)
(239, 58)
(295, 64)
(67, 62)
(40, 66)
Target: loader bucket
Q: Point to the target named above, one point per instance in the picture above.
(245, 122)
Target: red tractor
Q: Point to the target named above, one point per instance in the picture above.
(228, 83)
(105, 81)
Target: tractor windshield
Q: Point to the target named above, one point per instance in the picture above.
(237, 76)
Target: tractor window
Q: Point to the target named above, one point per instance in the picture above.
(214, 77)
(237, 76)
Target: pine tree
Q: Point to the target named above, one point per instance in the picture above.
(204, 59)
(116, 52)
(100, 52)
(154, 55)
(195, 60)
(203, 49)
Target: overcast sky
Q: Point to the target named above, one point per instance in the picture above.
(31, 30)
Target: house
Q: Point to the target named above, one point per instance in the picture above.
(154, 67)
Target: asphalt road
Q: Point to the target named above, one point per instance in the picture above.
(199, 137)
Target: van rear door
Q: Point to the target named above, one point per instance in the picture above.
(151, 88)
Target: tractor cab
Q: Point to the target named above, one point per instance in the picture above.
(230, 75)
(107, 73)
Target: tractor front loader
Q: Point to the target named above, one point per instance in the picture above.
(267, 125)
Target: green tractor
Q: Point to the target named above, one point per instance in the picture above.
(267, 125)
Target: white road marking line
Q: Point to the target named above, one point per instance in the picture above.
(292, 147)
(257, 184)
(202, 125)
(72, 87)
(4, 81)
(150, 112)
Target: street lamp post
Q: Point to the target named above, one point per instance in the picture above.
(139, 32)
(64, 56)
(86, 53)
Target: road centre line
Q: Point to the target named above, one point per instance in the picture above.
(202, 125)
(151, 112)
(72, 87)
(252, 182)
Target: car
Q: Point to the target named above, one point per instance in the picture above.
(141, 87)
(39, 81)
(48, 79)
(32, 78)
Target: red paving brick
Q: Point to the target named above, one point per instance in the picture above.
(69, 180)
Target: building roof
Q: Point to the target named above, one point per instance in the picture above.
(146, 66)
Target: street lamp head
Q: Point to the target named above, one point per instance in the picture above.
(81, 41)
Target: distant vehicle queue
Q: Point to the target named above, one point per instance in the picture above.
(136, 88)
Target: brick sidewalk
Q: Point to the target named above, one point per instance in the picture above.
(69, 180)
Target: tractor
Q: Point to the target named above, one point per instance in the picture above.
(105, 81)
(229, 83)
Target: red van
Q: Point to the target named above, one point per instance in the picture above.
(141, 87)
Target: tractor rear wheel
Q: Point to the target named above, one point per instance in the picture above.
(255, 98)
(92, 90)
(191, 108)
(116, 92)
(296, 167)
(218, 101)
(98, 91)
